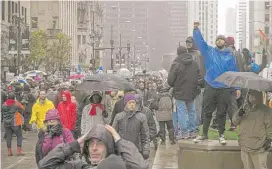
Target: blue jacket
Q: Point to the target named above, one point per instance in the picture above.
(216, 61)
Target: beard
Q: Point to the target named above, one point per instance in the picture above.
(220, 46)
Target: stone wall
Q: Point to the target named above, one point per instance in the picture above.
(211, 155)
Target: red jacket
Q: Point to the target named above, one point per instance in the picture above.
(67, 112)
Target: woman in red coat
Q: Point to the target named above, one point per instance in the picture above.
(67, 111)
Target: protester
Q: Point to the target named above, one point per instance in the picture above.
(12, 118)
(119, 105)
(67, 112)
(93, 113)
(39, 109)
(132, 125)
(255, 131)
(191, 47)
(164, 117)
(28, 101)
(150, 120)
(217, 60)
(183, 77)
(52, 135)
(97, 145)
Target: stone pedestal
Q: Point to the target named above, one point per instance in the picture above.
(211, 155)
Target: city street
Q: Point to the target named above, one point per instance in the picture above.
(19, 162)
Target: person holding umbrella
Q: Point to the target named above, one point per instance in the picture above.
(255, 134)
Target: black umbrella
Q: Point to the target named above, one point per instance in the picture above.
(248, 80)
(104, 82)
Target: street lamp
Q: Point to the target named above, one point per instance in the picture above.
(259, 22)
(112, 41)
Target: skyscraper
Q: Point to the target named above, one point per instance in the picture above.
(205, 12)
(231, 22)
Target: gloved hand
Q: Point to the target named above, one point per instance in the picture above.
(267, 144)
(105, 114)
(242, 112)
(146, 154)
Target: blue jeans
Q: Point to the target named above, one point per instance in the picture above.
(175, 121)
(186, 117)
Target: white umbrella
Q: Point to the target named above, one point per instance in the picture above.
(34, 73)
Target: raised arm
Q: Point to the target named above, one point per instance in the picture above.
(200, 42)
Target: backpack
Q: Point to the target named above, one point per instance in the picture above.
(165, 103)
(38, 150)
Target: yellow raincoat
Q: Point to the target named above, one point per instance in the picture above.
(39, 111)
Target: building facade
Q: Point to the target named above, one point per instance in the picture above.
(62, 17)
(231, 22)
(89, 31)
(14, 14)
(125, 23)
(205, 12)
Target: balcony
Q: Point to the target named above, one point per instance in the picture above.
(52, 33)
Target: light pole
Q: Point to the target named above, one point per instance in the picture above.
(120, 49)
(112, 41)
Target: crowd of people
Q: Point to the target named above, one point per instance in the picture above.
(115, 128)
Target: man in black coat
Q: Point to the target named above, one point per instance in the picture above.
(183, 77)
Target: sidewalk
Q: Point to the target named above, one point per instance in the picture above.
(20, 162)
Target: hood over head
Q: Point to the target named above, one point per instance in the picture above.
(181, 50)
(101, 133)
(67, 95)
(95, 93)
(185, 59)
(112, 162)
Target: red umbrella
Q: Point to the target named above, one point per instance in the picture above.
(76, 76)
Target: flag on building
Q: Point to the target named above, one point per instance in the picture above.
(262, 37)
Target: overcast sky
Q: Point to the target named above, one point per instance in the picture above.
(222, 7)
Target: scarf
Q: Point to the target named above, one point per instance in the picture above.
(93, 109)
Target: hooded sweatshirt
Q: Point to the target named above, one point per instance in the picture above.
(183, 77)
(127, 151)
(67, 112)
(88, 119)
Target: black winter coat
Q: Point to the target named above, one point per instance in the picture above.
(183, 77)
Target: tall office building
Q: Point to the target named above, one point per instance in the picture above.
(89, 13)
(230, 22)
(205, 12)
(124, 23)
(242, 26)
(54, 16)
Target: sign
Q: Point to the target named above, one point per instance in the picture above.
(25, 38)
(12, 38)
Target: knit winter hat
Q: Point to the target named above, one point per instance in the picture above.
(129, 97)
(52, 114)
(221, 37)
(230, 41)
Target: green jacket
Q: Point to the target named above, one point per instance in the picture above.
(255, 127)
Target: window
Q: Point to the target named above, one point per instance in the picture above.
(266, 18)
(9, 13)
(16, 8)
(12, 12)
(266, 5)
(26, 14)
(34, 22)
(78, 40)
(55, 22)
(3, 10)
(83, 39)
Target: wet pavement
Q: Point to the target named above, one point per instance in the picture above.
(28, 161)
(166, 157)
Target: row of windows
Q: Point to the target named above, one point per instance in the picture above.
(12, 8)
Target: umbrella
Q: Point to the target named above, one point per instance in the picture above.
(76, 76)
(248, 80)
(34, 73)
(104, 82)
(21, 81)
